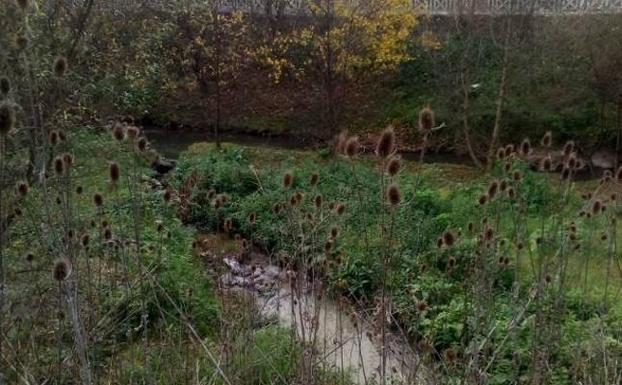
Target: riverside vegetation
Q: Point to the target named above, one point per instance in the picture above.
(112, 274)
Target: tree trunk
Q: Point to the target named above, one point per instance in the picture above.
(465, 124)
(500, 97)
(619, 136)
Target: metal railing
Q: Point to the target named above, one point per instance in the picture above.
(434, 7)
(502, 7)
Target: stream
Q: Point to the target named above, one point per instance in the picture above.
(171, 144)
(343, 340)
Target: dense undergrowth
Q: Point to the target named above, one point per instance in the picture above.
(526, 287)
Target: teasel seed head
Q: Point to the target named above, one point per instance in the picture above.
(489, 234)
(22, 188)
(7, 118)
(394, 166)
(107, 233)
(568, 148)
(142, 144)
(30, 257)
(334, 232)
(501, 153)
(340, 208)
(159, 226)
(547, 139)
(114, 172)
(507, 166)
(449, 238)
(517, 175)
(22, 42)
(424, 346)
(61, 269)
(252, 218)
(509, 150)
(18, 212)
(597, 207)
(132, 132)
(386, 144)
(276, 209)
(525, 147)
(328, 245)
(439, 242)
(59, 165)
(118, 132)
(318, 201)
(67, 160)
(546, 164)
(79, 190)
(450, 356)
(483, 199)
(168, 194)
(60, 67)
(503, 185)
(293, 201)
(393, 195)
(315, 178)
(5, 86)
(548, 278)
(422, 306)
(470, 227)
(84, 240)
(426, 119)
(98, 200)
(287, 180)
(352, 147)
(53, 138)
(451, 262)
(493, 188)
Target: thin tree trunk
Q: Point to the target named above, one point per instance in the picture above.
(619, 136)
(500, 97)
(465, 124)
(218, 77)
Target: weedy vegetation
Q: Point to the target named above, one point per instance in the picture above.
(356, 263)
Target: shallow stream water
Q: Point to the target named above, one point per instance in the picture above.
(344, 340)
